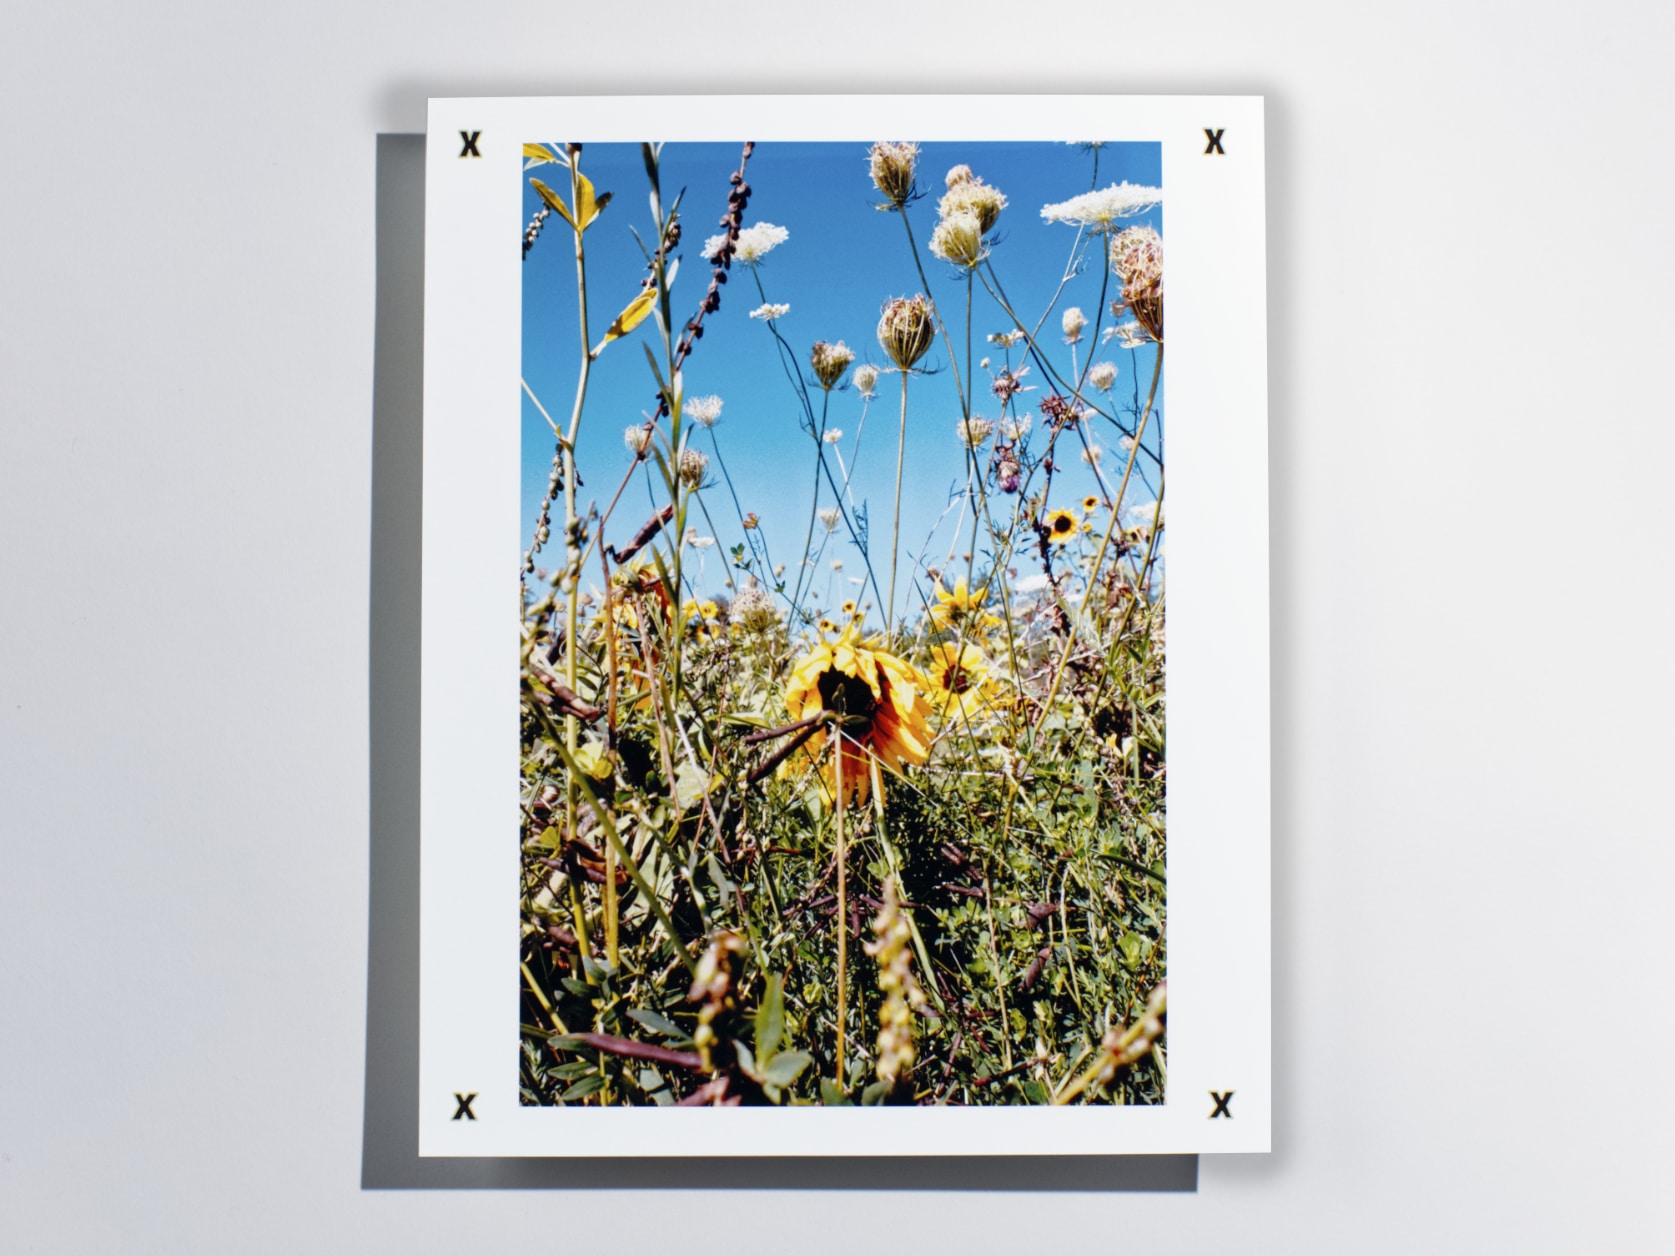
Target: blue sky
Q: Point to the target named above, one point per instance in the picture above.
(843, 259)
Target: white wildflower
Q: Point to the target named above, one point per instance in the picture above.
(829, 516)
(973, 431)
(705, 410)
(1102, 208)
(767, 313)
(1127, 444)
(1074, 321)
(691, 467)
(1141, 515)
(1016, 429)
(754, 243)
(837, 564)
(958, 239)
(865, 379)
(834, 436)
(698, 542)
(1092, 454)
(1102, 375)
(637, 436)
(1128, 336)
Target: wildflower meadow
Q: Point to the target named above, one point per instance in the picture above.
(843, 624)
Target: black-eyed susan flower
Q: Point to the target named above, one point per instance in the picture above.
(849, 609)
(1090, 503)
(1061, 526)
(961, 686)
(877, 699)
(962, 607)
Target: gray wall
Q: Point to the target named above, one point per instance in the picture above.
(1471, 434)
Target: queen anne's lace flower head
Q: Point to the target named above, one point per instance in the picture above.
(1102, 375)
(767, 313)
(891, 167)
(1102, 208)
(972, 195)
(958, 239)
(637, 437)
(705, 410)
(830, 361)
(1074, 321)
(691, 467)
(754, 243)
(905, 330)
(865, 379)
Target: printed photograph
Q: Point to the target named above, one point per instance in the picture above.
(842, 587)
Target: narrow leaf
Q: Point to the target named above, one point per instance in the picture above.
(630, 318)
(552, 200)
(770, 1019)
(540, 152)
(587, 208)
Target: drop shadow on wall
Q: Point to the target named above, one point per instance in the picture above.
(390, 1136)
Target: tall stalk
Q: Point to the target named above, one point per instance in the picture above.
(572, 531)
(895, 520)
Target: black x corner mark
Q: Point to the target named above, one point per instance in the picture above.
(468, 142)
(463, 1106)
(1214, 138)
(1221, 1098)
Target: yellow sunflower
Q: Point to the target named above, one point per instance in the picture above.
(878, 699)
(1090, 503)
(962, 606)
(960, 684)
(1061, 526)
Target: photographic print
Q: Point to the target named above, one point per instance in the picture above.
(876, 759)
(844, 602)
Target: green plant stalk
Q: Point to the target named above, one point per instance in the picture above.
(573, 574)
(842, 906)
(895, 520)
(1104, 543)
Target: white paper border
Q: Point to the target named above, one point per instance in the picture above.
(1217, 679)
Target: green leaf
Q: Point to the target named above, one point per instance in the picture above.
(552, 200)
(747, 1061)
(770, 1021)
(875, 1094)
(582, 1089)
(831, 1094)
(785, 1067)
(656, 1022)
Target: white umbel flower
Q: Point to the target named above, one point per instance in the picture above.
(829, 516)
(637, 437)
(865, 379)
(1102, 375)
(1016, 429)
(1102, 208)
(754, 243)
(1074, 321)
(767, 313)
(974, 431)
(834, 436)
(705, 410)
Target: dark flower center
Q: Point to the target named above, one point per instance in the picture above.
(958, 680)
(851, 697)
(1063, 523)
